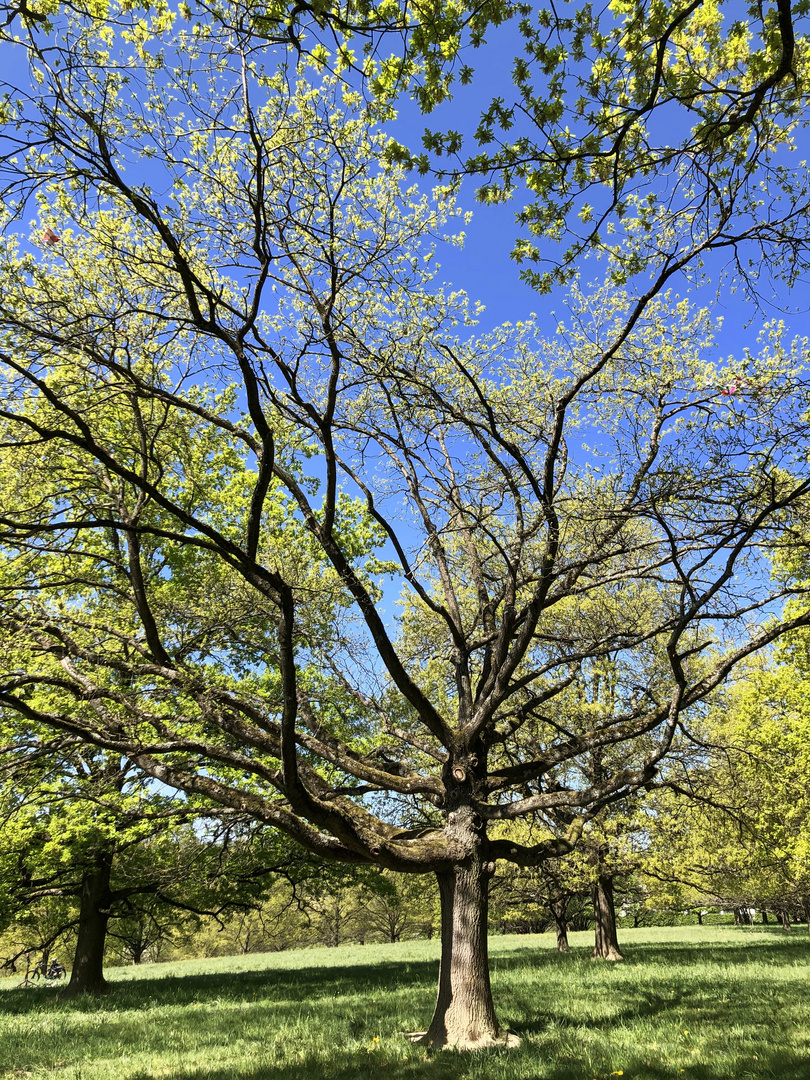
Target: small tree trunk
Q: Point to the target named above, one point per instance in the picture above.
(606, 946)
(785, 920)
(335, 926)
(700, 917)
(464, 1016)
(87, 976)
(764, 914)
(138, 947)
(558, 909)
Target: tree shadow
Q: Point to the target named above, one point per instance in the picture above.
(304, 983)
(352, 1003)
(701, 1001)
(445, 1065)
(772, 945)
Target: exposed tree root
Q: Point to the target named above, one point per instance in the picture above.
(503, 1040)
(611, 954)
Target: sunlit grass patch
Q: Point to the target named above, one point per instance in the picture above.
(688, 1004)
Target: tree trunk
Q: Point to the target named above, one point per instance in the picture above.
(700, 918)
(606, 946)
(334, 926)
(464, 1016)
(764, 914)
(785, 920)
(87, 976)
(558, 909)
(137, 951)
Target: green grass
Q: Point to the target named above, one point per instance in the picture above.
(703, 1003)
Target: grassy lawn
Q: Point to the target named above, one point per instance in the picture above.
(700, 1003)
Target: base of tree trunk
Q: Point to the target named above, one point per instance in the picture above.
(87, 974)
(464, 1016)
(94, 990)
(558, 910)
(606, 945)
(610, 953)
(503, 1039)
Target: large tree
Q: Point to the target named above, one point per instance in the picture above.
(235, 401)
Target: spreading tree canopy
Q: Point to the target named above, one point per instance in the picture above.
(239, 416)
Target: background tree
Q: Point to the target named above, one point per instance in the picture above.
(93, 849)
(397, 907)
(735, 831)
(225, 627)
(63, 838)
(578, 890)
(529, 900)
(608, 846)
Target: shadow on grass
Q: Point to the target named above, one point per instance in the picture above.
(522, 1064)
(315, 983)
(764, 949)
(446, 1066)
(769, 946)
(345, 1007)
(268, 984)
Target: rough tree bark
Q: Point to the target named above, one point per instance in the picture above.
(606, 946)
(464, 1016)
(87, 976)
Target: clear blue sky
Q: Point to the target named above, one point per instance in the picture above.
(484, 268)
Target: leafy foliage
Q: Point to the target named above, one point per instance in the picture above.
(236, 404)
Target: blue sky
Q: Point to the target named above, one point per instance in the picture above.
(484, 268)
